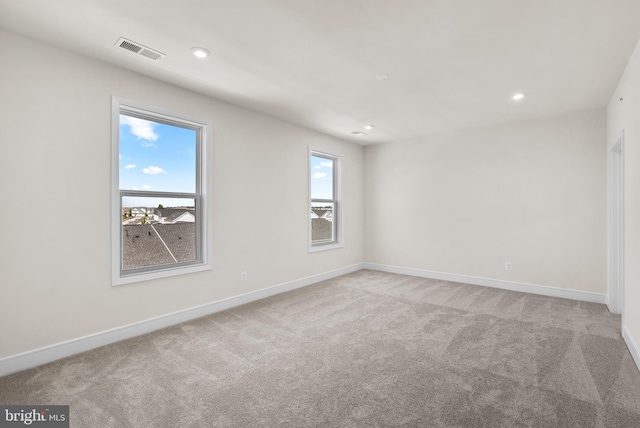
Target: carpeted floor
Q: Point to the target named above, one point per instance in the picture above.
(368, 349)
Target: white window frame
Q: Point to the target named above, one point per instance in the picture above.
(201, 195)
(338, 218)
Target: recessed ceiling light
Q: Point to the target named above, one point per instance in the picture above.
(200, 52)
(358, 133)
(368, 127)
(518, 96)
(382, 76)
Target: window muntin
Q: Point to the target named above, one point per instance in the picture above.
(325, 204)
(159, 221)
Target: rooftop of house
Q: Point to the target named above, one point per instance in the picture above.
(157, 244)
(321, 229)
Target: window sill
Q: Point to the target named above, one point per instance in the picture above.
(316, 248)
(158, 274)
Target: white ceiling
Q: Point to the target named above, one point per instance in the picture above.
(452, 63)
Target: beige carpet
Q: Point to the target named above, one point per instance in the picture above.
(368, 349)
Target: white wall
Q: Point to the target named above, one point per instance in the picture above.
(532, 192)
(55, 173)
(625, 116)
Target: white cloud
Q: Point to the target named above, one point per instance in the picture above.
(328, 164)
(134, 188)
(318, 167)
(319, 175)
(143, 129)
(154, 170)
(145, 187)
(130, 166)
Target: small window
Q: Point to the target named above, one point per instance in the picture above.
(325, 204)
(159, 200)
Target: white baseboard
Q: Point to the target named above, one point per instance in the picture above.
(47, 354)
(495, 283)
(631, 344)
(36, 357)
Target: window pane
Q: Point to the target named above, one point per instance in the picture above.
(322, 222)
(321, 177)
(156, 156)
(157, 231)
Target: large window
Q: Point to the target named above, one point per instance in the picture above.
(158, 194)
(325, 208)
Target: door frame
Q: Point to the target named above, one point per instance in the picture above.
(616, 226)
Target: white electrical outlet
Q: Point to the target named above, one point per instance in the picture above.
(243, 275)
(507, 265)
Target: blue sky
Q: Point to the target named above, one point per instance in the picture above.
(156, 157)
(321, 178)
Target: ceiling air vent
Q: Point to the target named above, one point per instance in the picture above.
(139, 49)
